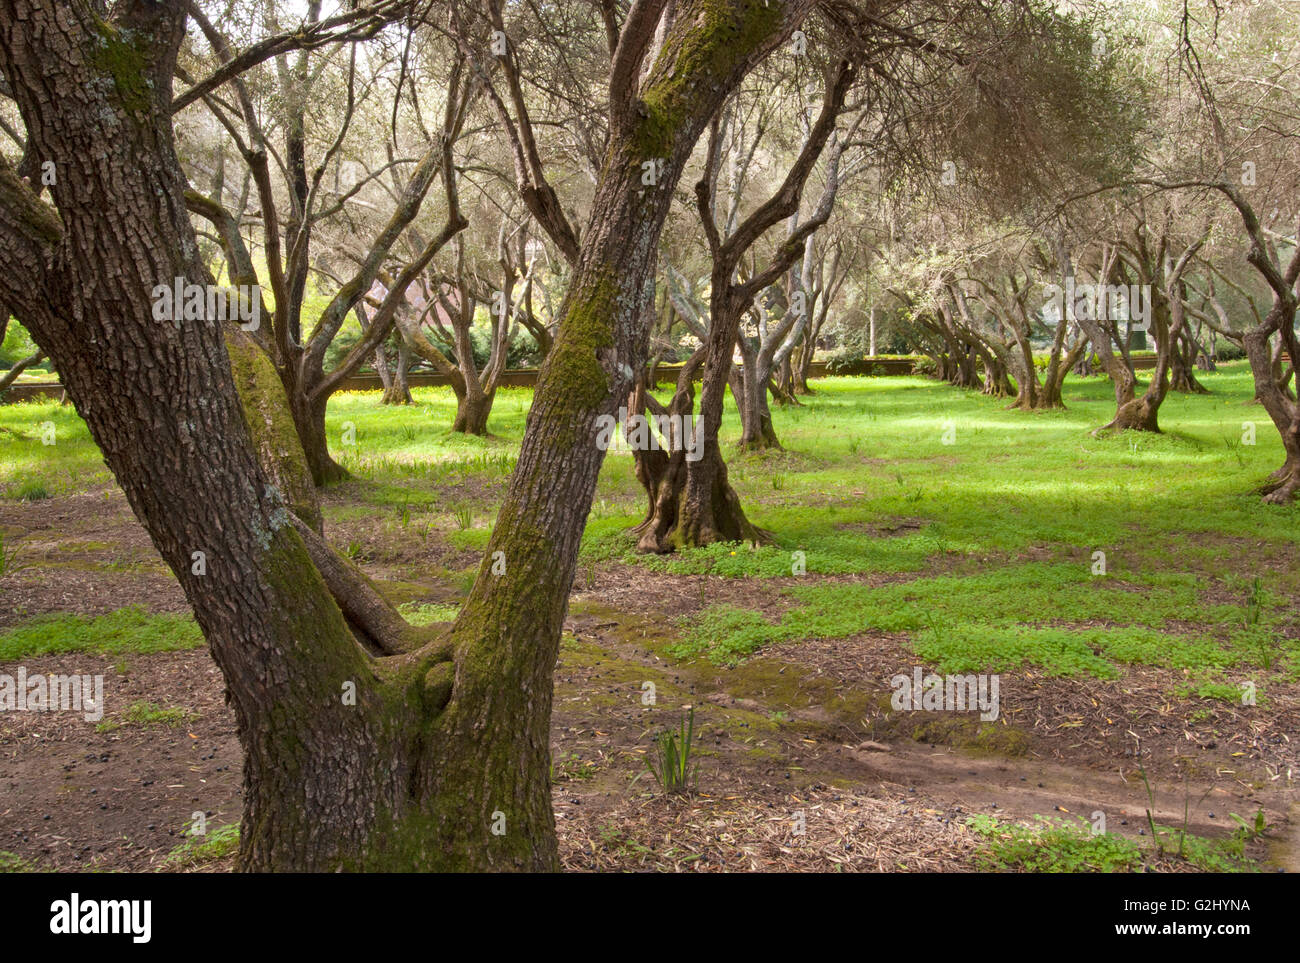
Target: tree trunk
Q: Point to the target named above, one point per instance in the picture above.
(160, 400)
(691, 502)
(472, 409)
(1271, 392)
(436, 759)
(783, 387)
(1059, 367)
(803, 364)
(1182, 371)
(749, 387)
(330, 782)
(997, 383)
(601, 344)
(1028, 389)
(309, 419)
(396, 389)
(266, 409)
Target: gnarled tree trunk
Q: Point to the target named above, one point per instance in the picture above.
(691, 502)
(433, 759)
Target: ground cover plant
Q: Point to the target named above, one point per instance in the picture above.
(894, 550)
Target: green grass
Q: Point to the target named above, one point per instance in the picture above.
(1070, 848)
(128, 630)
(31, 490)
(13, 863)
(1057, 616)
(198, 850)
(989, 541)
(29, 467)
(149, 714)
(423, 614)
(1002, 527)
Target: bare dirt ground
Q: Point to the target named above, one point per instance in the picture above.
(804, 766)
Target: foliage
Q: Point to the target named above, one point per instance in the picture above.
(671, 763)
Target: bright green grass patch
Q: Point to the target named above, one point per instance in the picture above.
(388, 443)
(1055, 615)
(127, 630)
(1068, 848)
(198, 850)
(470, 538)
(424, 614)
(29, 467)
(149, 714)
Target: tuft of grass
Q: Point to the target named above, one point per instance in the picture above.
(198, 850)
(128, 630)
(1067, 848)
(149, 714)
(1052, 849)
(8, 557)
(672, 764)
(32, 490)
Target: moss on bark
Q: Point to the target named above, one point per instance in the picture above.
(266, 409)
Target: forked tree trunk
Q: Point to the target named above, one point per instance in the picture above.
(1028, 388)
(692, 504)
(177, 437)
(1182, 368)
(436, 759)
(1060, 363)
(1130, 411)
(997, 383)
(749, 388)
(472, 410)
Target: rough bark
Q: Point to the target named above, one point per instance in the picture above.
(601, 343)
(443, 745)
(160, 400)
(472, 410)
(691, 502)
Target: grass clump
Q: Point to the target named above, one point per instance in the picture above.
(208, 848)
(672, 763)
(425, 614)
(13, 863)
(149, 714)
